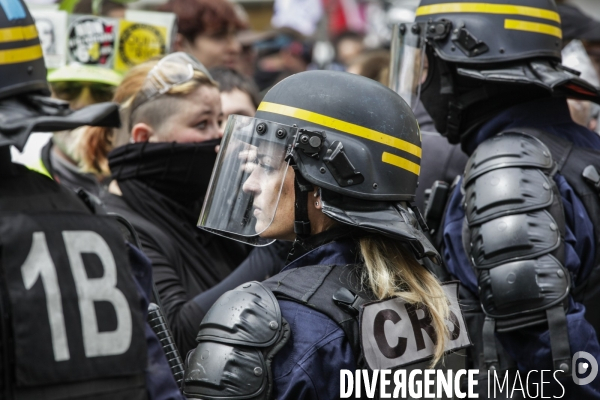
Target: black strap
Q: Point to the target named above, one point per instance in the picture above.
(490, 352)
(301, 221)
(559, 339)
(315, 286)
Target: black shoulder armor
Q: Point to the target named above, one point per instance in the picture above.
(514, 234)
(237, 340)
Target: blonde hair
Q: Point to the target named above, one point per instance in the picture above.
(98, 141)
(392, 271)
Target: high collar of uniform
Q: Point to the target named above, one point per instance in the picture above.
(334, 246)
(542, 112)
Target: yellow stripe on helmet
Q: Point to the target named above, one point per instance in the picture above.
(18, 33)
(488, 8)
(400, 162)
(527, 26)
(23, 54)
(341, 126)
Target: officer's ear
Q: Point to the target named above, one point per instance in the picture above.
(142, 132)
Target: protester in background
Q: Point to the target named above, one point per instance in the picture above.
(283, 55)
(348, 45)
(60, 158)
(107, 8)
(370, 63)
(207, 30)
(159, 182)
(97, 142)
(577, 25)
(581, 41)
(239, 94)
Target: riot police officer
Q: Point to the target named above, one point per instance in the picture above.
(336, 173)
(72, 321)
(520, 229)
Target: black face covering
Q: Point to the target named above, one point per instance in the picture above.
(436, 103)
(179, 171)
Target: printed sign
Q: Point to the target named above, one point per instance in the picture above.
(91, 40)
(139, 42)
(395, 333)
(52, 31)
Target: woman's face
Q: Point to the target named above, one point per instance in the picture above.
(238, 103)
(199, 118)
(264, 183)
(216, 49)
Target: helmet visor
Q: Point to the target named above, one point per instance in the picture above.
(247, 180)
(408, 69)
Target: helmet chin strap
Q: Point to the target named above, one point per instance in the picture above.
(301, 222)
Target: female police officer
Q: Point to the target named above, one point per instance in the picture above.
(331, 161)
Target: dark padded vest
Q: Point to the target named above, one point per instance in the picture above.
(71, 325)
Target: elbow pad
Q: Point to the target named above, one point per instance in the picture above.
(238, 338)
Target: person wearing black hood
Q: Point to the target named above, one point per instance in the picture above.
(159, 182)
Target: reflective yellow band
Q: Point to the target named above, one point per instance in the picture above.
(400, 162)
(488, 8)
(533, 27)
(39, 167)
(20, 55)
(341, 126)
(18, 33)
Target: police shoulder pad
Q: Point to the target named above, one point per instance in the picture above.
(508, 149)
(247, 315)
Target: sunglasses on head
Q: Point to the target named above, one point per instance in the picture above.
(69, 91)
(172, 70)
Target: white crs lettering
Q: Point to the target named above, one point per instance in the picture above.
(38, 264)
(395, 333)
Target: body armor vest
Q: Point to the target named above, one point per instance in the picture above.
(245, 328)
(71, 323)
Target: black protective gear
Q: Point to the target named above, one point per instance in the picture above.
(22, 68)
(365, 155)
(515, 227)
(20, 116)
(238, 338)
(72, 327)
(492, 32)
(245, 330)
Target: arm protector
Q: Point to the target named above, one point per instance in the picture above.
(513, 233)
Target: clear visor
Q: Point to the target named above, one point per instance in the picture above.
(246, 183)
(408, 69)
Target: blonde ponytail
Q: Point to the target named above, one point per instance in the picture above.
(392, 271)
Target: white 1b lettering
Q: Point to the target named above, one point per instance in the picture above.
(39, 264)
(98, 289)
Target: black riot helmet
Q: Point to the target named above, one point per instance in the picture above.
(22, 68)
(457, 54)
(24, 102)
(355, 139)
